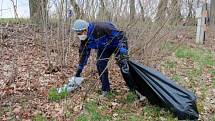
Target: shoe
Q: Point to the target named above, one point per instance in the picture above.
(104, 94)
(141, 97)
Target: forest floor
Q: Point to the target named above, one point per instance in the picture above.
(25, 85)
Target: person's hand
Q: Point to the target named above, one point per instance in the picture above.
(123, 51)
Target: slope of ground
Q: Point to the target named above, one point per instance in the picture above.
(24, 85)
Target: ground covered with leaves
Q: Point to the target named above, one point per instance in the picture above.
(25, 85)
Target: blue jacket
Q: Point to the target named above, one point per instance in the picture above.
(100, 35)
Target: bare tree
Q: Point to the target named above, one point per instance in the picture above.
(190, 6)
(212, 12)
(118, 10)
(142, 10)
(44, 24)
(103, 12)
(15, 8)
(175, 8)
(36, 10)
(61, 61)
(132, 9)
(162, 9)
(78, 11)
(191, 12)
(197, 2)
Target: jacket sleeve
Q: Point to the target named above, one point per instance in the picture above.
(123, 41)
(84, 54)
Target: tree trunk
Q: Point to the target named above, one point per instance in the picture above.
(191, 13)
(15, 8)
(132, 10)
(119, 9)
(142, 11)
(212, 12)
(44, 23)
(37, 7)
(198, 1)
(175, 9)
(79, 13)
(162, 9)
(190, 6)
(103, 12)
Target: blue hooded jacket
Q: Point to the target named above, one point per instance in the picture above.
(100, 35)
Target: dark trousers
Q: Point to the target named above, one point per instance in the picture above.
(103, 56)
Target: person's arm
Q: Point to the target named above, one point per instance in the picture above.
(123, 41)
(123, 46)
(84, 54)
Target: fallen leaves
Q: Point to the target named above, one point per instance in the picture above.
(32, 83)
(17, 110)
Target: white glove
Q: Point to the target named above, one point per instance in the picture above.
(74, 82)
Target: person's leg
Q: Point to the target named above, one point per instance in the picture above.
(102, 61)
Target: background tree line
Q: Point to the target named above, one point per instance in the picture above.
(146, 22)
(153, 10)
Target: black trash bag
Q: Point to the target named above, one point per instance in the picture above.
(160, 90)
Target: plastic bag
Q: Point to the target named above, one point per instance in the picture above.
(161, 91)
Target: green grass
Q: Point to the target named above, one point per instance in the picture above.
(168, 46)
(184, 52)
(197, 55)
(194, 74)
(130, 98)
(212, 72)
(156, 113)
(14, 21)
(111, 94)
(123, 111)
(200, 58)
(176, 77)
(151, 111)
(212, 118)
(208, 59)
(170, 64)
(39, 117)
(125, 114)
(4, 110)
(93, 113)
(213, 81)
(53, 95)
(82, 118)
(68, 114)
